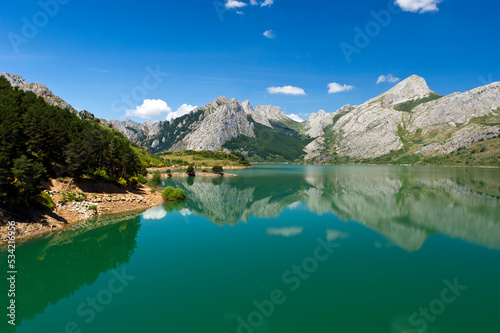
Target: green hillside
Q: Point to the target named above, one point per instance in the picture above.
(277, 144)
(39, 141)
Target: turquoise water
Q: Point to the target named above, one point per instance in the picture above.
(279, 249)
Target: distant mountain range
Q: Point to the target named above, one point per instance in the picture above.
(409, 124)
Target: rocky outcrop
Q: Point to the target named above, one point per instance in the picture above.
(457, 108)
(15, 80)
(39, 90)
(271, 112)
(314, 148)
(370, 130)
(257, 115)
(222, 120)
(313, 127)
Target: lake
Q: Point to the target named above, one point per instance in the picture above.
(280, 248)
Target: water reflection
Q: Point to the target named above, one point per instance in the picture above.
(407, 205)
(55, 267)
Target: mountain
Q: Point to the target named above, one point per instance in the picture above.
(263, 133)
(408, 124)
(39, 90)
(412, 124)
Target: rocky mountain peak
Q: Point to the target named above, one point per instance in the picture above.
(15, 80)
(39, 90)
(271, 112)
(412, 88)
(316, 122)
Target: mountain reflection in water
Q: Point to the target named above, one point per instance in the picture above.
(407, 205)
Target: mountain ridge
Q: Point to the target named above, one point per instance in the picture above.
(408, 123)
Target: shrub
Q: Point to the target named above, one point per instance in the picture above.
(92, 207)
(217, 169)
(171, 194)
(142, 179)
(99, 173)
(190, 171)
(169, 173)
(122, 182)
(152, 190)
(156, 178)
(45, 199)
(133, 181)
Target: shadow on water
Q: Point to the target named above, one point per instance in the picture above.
(407, 205)
(55, 267)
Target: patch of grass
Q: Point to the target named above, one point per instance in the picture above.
(92, 207)
(73, 196)
(410, 105)
(205, 158)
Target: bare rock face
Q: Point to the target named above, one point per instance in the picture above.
(457, 108)
(257, 115)
(370, 130)
(271, 112)
(412, 88)
(222, 120)
(314, 148)
(39, 90)
(317, 122)
(15, 80)
(462, 138)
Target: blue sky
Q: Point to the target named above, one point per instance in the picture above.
(99, 55)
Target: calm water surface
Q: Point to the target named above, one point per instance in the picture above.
(279, 249)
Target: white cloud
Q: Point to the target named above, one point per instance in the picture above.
(239, 12)
(335, 87)
(387, 78)
(182, 110)
(185, 212)
(234, 4)
(285, 232)
(269, 34)
(332, 235)
(155, 213)
(287, 90)
(150, 108)
(418, 6)
(294, 204)
(253, 2)
(295, 117)
(267, 3)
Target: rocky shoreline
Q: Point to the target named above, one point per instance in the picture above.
(100, 200)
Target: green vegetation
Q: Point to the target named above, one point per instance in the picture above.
(190, 171)
(204, 158)
(46, 200)
(148, 160)
(171, 194)
(38, 141)
(217, 169)
(92, 207)
(410, 105)
(156, 180)
(277, 144)
(73, 196)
